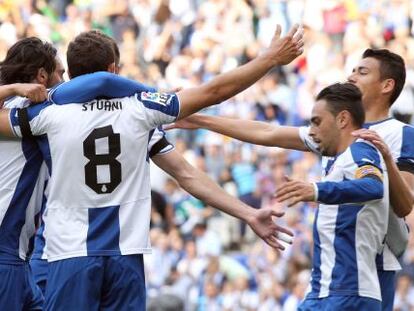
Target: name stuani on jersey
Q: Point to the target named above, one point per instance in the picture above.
(102, 104)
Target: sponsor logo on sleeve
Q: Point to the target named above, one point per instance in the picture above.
(157, 98)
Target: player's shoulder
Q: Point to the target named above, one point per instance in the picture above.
(35, 109)
(364, 151)
(16, 102)
(390, 127)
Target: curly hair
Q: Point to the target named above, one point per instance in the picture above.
(25, 58)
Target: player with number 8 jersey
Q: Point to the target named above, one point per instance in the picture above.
(105, 151)
(98, 207)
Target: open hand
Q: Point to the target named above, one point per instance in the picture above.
(295, 191)
(283, 50)
(263, 225)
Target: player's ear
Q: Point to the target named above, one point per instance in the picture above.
(343, 118)
(112, 68)
(42, 76)
(388, 85)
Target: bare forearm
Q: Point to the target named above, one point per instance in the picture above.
(223, 86)
(401, 196)
(7, 91)
(254, 132)
(202, 187)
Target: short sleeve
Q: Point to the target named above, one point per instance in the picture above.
(158, 143)
(367, 159)
(158, 108)
(30, 121)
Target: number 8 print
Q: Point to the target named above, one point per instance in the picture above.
(114, 150)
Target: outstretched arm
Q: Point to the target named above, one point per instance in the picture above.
(99, 84)
(254, 132)
(33, 91)
(202, 187)
(348, 191)
(281, 52)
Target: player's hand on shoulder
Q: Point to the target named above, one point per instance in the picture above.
(376, 140)
(33, 91)
(295, 191)
(283, 50)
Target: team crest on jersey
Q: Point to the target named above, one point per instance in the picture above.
(158, 98)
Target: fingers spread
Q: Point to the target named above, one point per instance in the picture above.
(293, 31)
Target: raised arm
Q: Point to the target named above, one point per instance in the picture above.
(202, 187)
(281, 52)
(254, 132)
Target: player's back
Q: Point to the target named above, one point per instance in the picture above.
(22, 183)
(97, 152)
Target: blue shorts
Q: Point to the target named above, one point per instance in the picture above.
(96, 283)
(340, 303)
(39, 270)
(18, 290)
(387, 282)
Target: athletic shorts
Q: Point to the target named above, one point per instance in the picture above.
(39, 270)
(340, 303)
(387, 281)
(18, 290)
(96, 283)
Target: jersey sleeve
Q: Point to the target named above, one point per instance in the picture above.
(99, 84)
(30, 121)
(307, 140)
(157, 108)
(363, 182)
(158, 143)
(364, 154)
(405, 159)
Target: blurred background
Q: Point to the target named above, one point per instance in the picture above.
(203, 259)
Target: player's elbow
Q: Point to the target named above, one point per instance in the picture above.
(185, 176)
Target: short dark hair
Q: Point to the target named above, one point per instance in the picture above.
(112, 42)
(344, 96)
(392, 66)
(88, 54)
(25, 58)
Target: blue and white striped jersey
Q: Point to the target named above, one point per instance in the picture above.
(158, 145)
(350, 226)
(23, 175)
(99, 198)
(399, 138)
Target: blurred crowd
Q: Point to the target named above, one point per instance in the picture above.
(203, 259)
